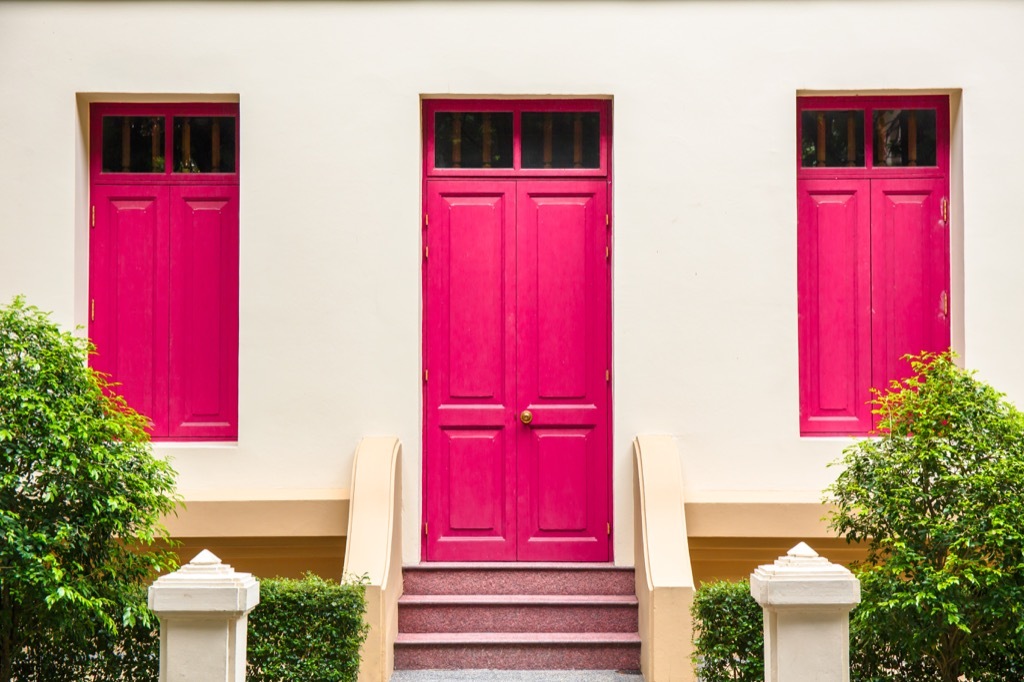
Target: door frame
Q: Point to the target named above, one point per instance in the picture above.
(428, 110)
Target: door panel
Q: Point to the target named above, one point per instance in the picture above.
(470, 353)
(909, 262)
(834, 303)
(517, 299)
(128, 274)
(204, 312)
(562, 359)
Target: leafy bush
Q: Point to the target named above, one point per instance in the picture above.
(938, 499)
(309, 629)
(93, 653)
(302, 630)
(79, 491)
(728, 633)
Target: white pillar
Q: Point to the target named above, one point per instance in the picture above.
(807, 603)
(203, 609)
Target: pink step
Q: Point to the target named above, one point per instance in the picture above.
(518, 578)
(517, 613)
(518, 651)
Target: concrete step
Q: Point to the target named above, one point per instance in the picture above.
(518, 651)
(517, 613)
(518, 578)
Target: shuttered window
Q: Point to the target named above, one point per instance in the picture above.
(873, 249)
(163, 268)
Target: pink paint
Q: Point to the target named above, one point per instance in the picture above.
(516, 317)
(163, 282)
(873, 253)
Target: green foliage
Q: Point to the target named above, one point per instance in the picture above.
(79, 490)
(308, 629)
(938, 499)
(728, 633)
(94, 653)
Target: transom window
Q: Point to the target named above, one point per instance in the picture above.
(535, 137)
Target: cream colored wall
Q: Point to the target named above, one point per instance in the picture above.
(704, 204)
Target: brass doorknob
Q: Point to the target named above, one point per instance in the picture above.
(526, 417)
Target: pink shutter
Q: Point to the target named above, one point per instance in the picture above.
(203, 403)
(128, 292)
(834, 306)
(910, 274)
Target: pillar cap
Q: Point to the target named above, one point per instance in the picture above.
(205, 585)
(802, 578)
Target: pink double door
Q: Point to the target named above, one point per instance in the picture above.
(517, 371)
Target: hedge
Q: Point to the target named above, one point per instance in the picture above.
(728, 633)
(308, 629)
(728, 639)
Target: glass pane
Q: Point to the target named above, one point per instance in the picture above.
(472, 139)
(204, 144)
(832, 138)
(133, 144)
(905, 137)
(562, 139)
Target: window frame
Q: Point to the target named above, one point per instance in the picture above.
(516, 107)
(813, 178)
(174, 188)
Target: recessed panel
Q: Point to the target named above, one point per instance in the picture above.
(476, 300)
(476, 480)
(561, 298)
(205, 231)
(562, 482)
(135, 227)
(836, 300)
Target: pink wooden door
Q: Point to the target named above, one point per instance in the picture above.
(562, 370)
(203, 400)
(128, 274)
(470, 303)
(517, 298)
(834, 304)
(910, 271)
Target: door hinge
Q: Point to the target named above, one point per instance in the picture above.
(425, 528)
(607, 375)
(944, 304)
(609, 524)
(945, 211)
(92, 309)
(426, 219)
(607, 253)
(93, 222)
(426, 252)
(607, 219)
(426, 373)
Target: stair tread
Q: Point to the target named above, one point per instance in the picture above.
(519, 599)
(514, 565)
(428, 638)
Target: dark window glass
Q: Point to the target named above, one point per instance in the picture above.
(204, 144)
(133, 144)
(472, 139)
(904, 137)
(561, 140)
(832, 138)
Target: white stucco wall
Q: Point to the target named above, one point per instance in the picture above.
(705, 341)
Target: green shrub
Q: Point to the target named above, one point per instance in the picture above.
(309, 629)
(728, 633)
(79, 491)
(938, 499)
(302, 630)
(92, 652)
